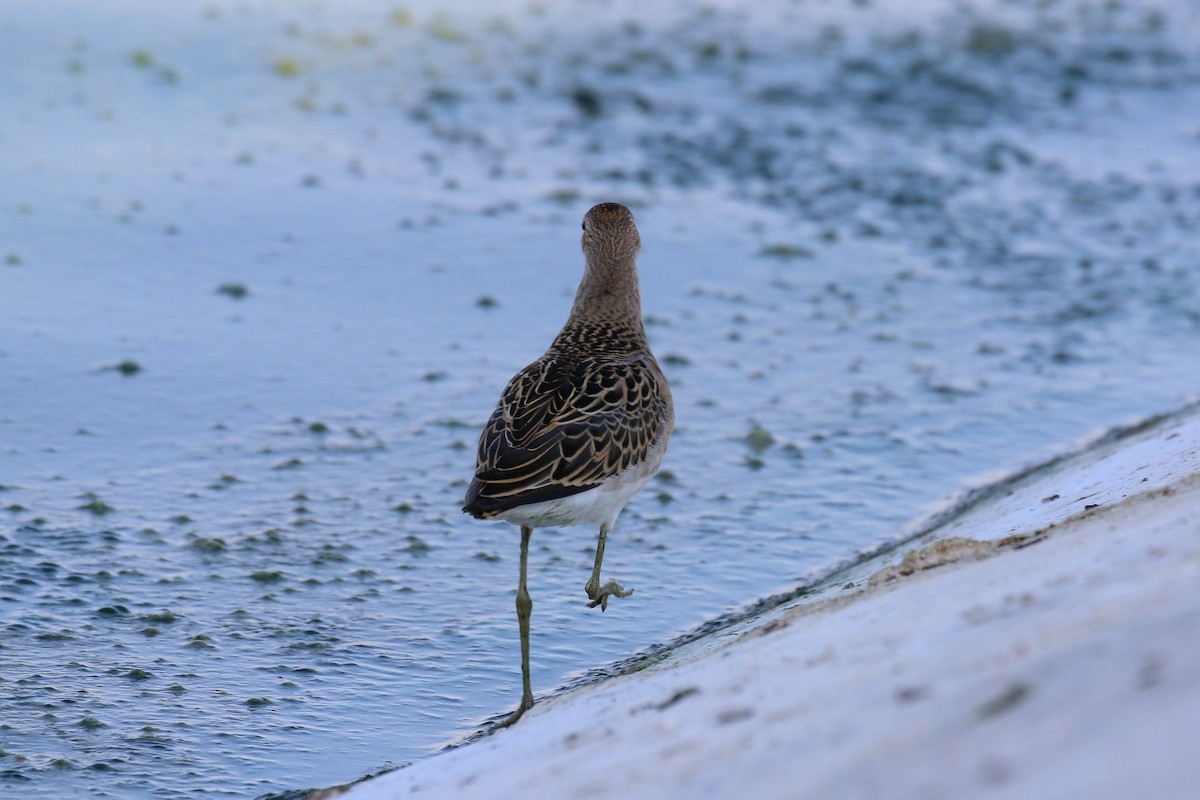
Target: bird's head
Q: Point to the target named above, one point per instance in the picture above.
(609, 234)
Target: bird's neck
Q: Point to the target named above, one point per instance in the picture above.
(608, 297)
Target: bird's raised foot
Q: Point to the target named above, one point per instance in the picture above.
(600, 594)
(525, 705)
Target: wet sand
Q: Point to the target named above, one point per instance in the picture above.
(1040, 644)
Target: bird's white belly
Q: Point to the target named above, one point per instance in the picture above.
(599, 506)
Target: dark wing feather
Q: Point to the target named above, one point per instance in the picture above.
(562, 428)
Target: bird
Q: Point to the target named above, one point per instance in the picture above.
(582, 429)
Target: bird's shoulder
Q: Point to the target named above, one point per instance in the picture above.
(564, 387)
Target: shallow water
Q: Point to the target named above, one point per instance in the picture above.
(882, 260)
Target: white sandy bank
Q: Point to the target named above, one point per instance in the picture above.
(1044, 644)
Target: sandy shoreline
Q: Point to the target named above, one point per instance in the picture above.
(1040, 644)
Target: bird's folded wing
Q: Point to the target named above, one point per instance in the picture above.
(562, 430)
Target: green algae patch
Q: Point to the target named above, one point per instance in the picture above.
(786, 252)
(225, 481)
(416, 546)
(204, 544)
(985, 39)
(95, 505)
(759, 439)
(1011, 697)
(330, 557)
(237, 291)
(287, 68)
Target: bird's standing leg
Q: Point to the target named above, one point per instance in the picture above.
(524, 609)
(600, 594)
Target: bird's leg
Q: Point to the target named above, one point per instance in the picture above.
(524, 609)
(600, 594)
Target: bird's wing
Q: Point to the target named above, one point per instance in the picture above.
(561, 429)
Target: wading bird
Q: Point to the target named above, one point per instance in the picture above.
(580, 430)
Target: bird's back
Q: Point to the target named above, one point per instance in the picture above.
(584, 412)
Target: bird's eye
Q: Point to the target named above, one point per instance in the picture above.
(584, 225)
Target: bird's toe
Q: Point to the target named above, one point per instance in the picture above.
(600, 594)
